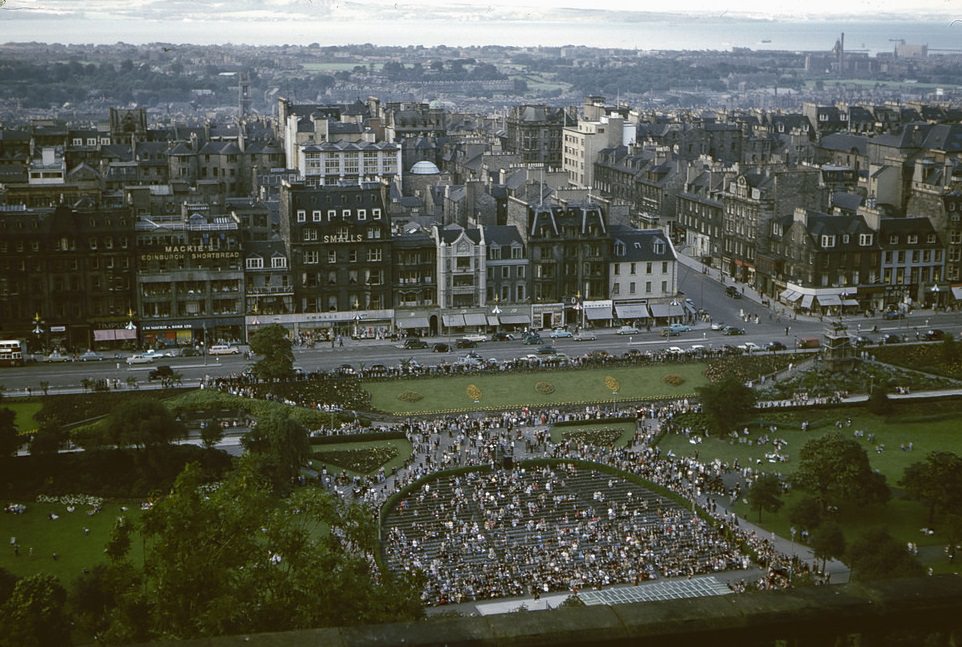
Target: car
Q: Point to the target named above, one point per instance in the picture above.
(810, 342)
(57, 357)
(697, 349)
(441, 347)
(718, 325)
(728, 349)
(627, 330)
(346, 369)
(464, 342)
(585, 336)
(533, 340)
(894, 314)
(560, 333)
(775, 345)
(413, 343)
(531, 359)
(668, 332)
(547, 349)
(679, 328)
(223, 349)
(861, 340)
(189, 351)
(140, 358)
(733, 292)
(750, 346)
(377, 369)
(299, 371)
(934, 335)
(892, 338)
(502, 336)
(733, 330)
(477, 337)
(91, 356)
(162, 372)
(675, 350)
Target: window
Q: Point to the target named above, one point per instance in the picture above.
(647, 287)
(345, 214)
(865, 240)
(362, 214)
(375, 255)
(913, 239)
(301, 215)
(664, 267)
(255, 263)
(332, 256)
(93, 243)
(631, 269)
(506, 272)
(521, 271)
(617, 269)
(352, 256)
(316, 216)
(279, 262)
(631, 288)
(930, 239)
(376, 214)
(648, 268)
(615, 290)
(664, 287)
(311, 257)
(893, 239)
(310, 233)
(828, 241)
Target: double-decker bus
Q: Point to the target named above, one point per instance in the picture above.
(12, 352)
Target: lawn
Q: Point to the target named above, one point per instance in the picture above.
(64, 536)
(627, 429)
(512, 390)
(24, 410)
(399, 448)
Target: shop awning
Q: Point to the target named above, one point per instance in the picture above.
(807, 300)
(493, 320)
(957, 292)
(829, 300)
(475, 319)
(659, 310)
(112, 334)
(850, 303)
(455, 321)
(412, 322)
(632, 311)
(676, 310)
(789, 295)
(514, 320)
(598, 314)
(794, 296)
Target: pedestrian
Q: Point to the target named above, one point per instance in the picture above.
(340, 341)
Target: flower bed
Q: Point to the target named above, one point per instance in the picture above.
(749, 367)
(604, 437)
(410, 396)
(361, 460)
(545, 388)
(673, 379)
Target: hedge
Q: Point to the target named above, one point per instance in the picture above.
(358, 438)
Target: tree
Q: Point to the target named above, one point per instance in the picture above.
(806, 513)
(765, 494)
(950, 350)
(876, 555)
(827, 542)
(35, 614)
(835, 469)
(9, 434)
(143, 423)
(211, 433)
(280, 447)
(879, 402)
(935, 482)
(49, 437)
(726, 403)
(274, 346)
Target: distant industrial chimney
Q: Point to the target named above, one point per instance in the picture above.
(244, 95)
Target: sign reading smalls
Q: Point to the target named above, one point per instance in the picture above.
(193, 252)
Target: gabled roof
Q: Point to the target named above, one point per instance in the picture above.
(451, 233)
(845, 142)
(640, 245)
(502, 235)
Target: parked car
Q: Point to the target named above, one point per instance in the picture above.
(502, 336)
(91, 356)
(465, 343)
(442, 347)
(585, 336)
(733, 292)
(810, 342)
(679, 328)
(533, 339)
(413, 343)
(377, 369)
(894, 314)
(189, 351)
(750, 346)
(140, 358)
(162, 372)
(223, 349)
(934, 335)
(861, 340)
(892, 338)
(668, 332)
(628, 330)
(675, 350)
(697, 349)
(477, 337)
(718, 325)
(57, 356)
(346, 369)
(774, 346)
(733, 330)
(547, 349)
(560, 333)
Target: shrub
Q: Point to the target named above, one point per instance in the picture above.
(362, 460)
(673, 379)
(545, 388)
(410, 396)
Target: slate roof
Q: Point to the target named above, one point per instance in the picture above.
(640, 245)
(503, 235)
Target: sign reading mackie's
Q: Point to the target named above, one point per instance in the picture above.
(194, 252)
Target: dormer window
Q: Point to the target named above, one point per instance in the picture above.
(659, 247)
(255, 263)
(619, 248)
(845, 238)
(913, 239)
(930, 239)
(893, 239)
(279, 262)
(865, 240)
(828, 241)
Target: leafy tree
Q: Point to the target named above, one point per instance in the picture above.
(950, 350)
(9, 434)
(726, 403)
(935, 482)
(35, 613)
(827, 542)
(835, 469)
(876, 555)
(806, 513)
(274, 346)
(211, 433)
(765, 494)
(143, 423)
(49, 437)
(879, 402)
(279, 446)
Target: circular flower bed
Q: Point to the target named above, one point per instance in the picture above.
(361, 461)
(545, 388)
(473, 392)
(612, 383)
(410, 396)
(673, 379)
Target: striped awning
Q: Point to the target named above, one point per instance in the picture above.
(492, 320)
(475, 319)
(829, 300)
(850, 302)
(456, 321)
(637, 311)
(598, 314)
(412, 322)
(807, 300)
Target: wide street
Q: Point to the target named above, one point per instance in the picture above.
(704, 291)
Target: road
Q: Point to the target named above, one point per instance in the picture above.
(703, 290)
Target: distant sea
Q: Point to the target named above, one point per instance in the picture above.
(691, 33)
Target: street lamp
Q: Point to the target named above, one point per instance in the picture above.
(130, 320)
(935, 296)
(38, 329)
(496, 311)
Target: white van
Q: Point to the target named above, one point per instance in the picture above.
(223, 349)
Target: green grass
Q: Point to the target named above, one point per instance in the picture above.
(403, 447)
(65, 536)
(24, 410)
(510, 390)
(627, 431)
